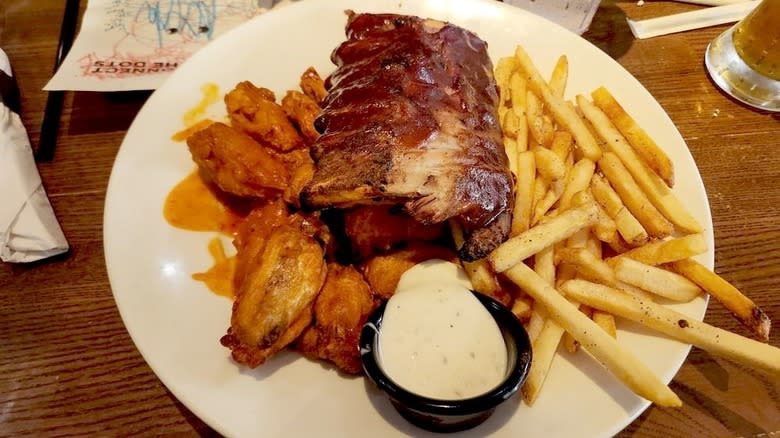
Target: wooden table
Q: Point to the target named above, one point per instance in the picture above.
(68, 367)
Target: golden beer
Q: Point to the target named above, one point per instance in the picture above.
(757, 39)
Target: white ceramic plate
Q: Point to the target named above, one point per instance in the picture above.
(176, 322)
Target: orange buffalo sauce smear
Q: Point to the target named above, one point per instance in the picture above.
(219, 277)
(192, 205)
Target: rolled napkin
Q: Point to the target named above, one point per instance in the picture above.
(685, 21)
(29, 231)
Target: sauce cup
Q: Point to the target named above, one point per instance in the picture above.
(451, 415)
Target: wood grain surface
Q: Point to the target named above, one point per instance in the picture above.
(69, 368)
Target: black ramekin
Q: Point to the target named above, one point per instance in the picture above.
(451, 415)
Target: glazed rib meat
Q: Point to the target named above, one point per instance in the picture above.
(411, 118)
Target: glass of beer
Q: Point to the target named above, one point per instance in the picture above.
(745, 60)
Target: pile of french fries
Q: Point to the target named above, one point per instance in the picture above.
(598, 233)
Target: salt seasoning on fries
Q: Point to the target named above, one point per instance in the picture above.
(622, 364)
(524, 192)
(655, 188)
(667, 251)
(743, 308)
(528, 243)
(627, 225)
(589, 175)
(562, 113)
(659, 281)
(559, 76)
(676, 325)
(633, 196)
(653, 155)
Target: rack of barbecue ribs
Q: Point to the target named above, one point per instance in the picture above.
(411, 118)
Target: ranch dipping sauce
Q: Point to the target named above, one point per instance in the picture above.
(437, 340)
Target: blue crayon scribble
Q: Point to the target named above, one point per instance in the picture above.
(190, 18)
(162, 20)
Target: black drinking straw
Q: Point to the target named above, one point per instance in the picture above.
(51, 116)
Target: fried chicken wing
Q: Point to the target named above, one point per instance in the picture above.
(255, 111)
(383, 271)
(313, 85)
(252, 234)
(236, 163)
(303, 110)
(340, 310)
(275, 293)
(379, 228)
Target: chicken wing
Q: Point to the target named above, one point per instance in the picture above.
(236, 163)
(340, 310)
(255, 111)
(302, 109)
(280, 277)
(379, 228)
(383, 271)
(313, 85)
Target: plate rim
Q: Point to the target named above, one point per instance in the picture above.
(259, 21)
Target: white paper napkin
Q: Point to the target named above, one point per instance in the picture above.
(574, 15)
(29, 231)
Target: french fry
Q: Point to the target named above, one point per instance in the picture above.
(524, 192)
(510, 147)
(605, 228)
(633, 196)
(559, 76)
(534, 117)
(564, 116)
(518, 89)
(548, 164)
(521, 307)
(502, 110)
(511, 124)
(551, 197)
(548, 130)
(479, 272)
(677, 325)
(569, 343)
(606, 321)
(544, 347)
(635, 291)
(654, 187)
(561, 144)
(656, 280)
(627, 225)
(604, 348)
(645, 147)
(588, 265)
(535, 322)
(528, 243)
(503, 72)
(541, 186)
(743, 308)
(667, 251)
(619, 245)
(522, 135)
(579, 239)
(594, 244)
(544, 264)
(577, 180)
